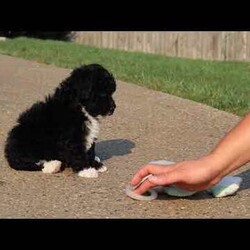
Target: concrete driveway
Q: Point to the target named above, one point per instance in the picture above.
(147, 125)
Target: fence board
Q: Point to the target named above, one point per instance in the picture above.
(196, 45)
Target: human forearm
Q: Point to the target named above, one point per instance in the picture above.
(233, 150)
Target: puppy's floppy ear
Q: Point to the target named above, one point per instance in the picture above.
(81, 83)
(77, 87)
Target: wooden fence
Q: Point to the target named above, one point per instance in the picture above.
(205, 45)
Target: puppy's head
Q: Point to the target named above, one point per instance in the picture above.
(92, 86)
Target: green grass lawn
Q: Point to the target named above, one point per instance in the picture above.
(223, 85)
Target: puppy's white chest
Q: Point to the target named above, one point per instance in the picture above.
(93, 126)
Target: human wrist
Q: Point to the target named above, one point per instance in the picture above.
(216, 163)
(227, 163)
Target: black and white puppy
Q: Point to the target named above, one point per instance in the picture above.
(61, 131)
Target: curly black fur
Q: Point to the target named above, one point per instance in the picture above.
(57, 128)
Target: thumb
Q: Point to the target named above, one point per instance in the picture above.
(163, 179)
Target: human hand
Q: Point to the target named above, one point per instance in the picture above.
(193, 175)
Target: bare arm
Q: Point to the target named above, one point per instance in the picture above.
(234, 148)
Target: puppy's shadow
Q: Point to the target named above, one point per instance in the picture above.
(116, 147)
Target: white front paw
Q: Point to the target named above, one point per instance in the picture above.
(88, 173)
(102, 169)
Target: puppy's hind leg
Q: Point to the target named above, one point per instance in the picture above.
(24, 164)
